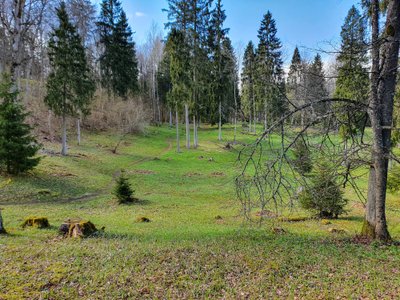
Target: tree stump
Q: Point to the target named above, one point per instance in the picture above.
(2, 229)
(77, 228)
(38, 222)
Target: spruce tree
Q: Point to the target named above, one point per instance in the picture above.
(118, 62)
(353, 79)
(248, 79)
(217, 34)
(269, 69)
(178, 50)
(17, 146)
(316, 85)
(295, 83)
(70, 87)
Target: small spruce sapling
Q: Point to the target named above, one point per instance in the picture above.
(323, 195)
(123, 190)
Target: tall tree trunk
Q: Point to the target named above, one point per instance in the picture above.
(381, 109)
(2, 229)
(254, 115)
(265, 115)
(220, 122)
(78, 126)
(194, 132)
(187, 126)
(64, 150)
(18, 11)
(235, 120)
(170, 118)
(49, 124)
(178, 146)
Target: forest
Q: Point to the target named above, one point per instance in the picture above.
(188, 165)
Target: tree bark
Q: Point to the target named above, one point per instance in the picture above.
(170, 118)
(194, 132)
(220, 123)
(178, 147)
(383, 85)
(18, 10)
(2, 229)
(64, 149)
(78, 126)
(187, 126)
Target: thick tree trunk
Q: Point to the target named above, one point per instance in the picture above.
(383, 79)
(78, 127)
(187, 126)
(18, 10)
(2, 229)
(220, 122)
(178, 147)
(64, 150)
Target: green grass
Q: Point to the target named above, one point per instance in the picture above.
(185, 252)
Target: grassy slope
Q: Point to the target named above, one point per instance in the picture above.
(184, 252)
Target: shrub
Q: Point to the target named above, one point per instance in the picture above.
(323, 195)
(123, 190)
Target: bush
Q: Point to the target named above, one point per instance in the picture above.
(323, 196)
(123, 190)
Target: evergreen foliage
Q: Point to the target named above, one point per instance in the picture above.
(18, 147)
(302, 157)
(123, 190)
(353, 79)
(323, 195)
(270, 85)
(70, 86)
(248, 78)
(118, 62)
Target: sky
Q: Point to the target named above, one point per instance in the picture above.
(309, 24)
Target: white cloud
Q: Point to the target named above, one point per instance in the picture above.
(140, 14)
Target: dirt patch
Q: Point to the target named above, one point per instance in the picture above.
(143, 172)
(266, 214)
(217, 174)
(192, 174)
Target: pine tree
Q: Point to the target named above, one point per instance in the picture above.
(118, 62)
(353, 78)
(70, 86)
(248, 79)
(269, 79)
(17, 146)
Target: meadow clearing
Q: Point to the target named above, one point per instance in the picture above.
(197, 244)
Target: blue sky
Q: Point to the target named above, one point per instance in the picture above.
(307, 23)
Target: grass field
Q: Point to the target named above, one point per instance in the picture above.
(197, 244)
